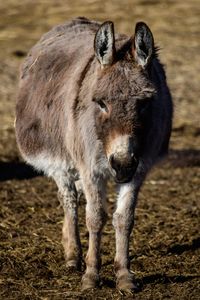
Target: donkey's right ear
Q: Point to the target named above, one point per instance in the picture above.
(104, 44)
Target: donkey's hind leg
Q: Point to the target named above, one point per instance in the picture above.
(70, 234)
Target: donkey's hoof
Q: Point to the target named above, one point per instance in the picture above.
(73, 265)
(126, 283)
(90, 281)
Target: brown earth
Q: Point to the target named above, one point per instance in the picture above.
(165, 244)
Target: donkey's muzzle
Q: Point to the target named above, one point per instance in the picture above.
(123, 171)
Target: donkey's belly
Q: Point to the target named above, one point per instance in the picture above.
(53, 166)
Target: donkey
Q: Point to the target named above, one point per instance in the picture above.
(94, 104)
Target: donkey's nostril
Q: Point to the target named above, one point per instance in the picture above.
(114, 163)
(111, 159)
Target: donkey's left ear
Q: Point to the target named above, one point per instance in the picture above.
(143, 44)
(104, 44)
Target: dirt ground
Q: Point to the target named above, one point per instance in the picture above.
(165, 242)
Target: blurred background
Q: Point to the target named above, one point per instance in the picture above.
(166, 242)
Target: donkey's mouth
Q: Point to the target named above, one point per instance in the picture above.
(123, 180)
(124, 174)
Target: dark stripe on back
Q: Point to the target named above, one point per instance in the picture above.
(78, 105)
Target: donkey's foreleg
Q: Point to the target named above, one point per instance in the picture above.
(123, 221)
(70, 233)
(95, 220)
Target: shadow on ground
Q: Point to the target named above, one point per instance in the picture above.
(184, 158)
(16, 170)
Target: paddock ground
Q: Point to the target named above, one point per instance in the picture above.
(165, 242)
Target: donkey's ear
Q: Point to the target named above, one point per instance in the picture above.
(143, 44)
(104, 44)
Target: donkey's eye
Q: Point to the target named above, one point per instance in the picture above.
(102, 105)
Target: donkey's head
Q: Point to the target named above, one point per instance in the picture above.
(123, 96)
